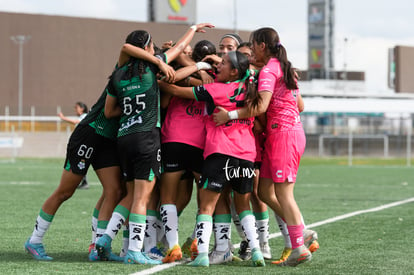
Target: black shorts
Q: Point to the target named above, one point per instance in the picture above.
(178, 156)
(86, 147)
(220, 170)
(140, 155)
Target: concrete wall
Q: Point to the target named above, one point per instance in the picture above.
(68, 59)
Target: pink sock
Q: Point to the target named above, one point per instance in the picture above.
(296, 235)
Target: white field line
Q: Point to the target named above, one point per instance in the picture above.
(158, 268)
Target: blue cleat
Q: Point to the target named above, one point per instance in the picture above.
(200, 260)
(94, 257)
(155, 254)
(257, 257)
(37, 250)
(103, 247)
(138, 257)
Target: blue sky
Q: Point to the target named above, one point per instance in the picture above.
(371, 26)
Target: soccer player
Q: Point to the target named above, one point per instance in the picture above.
(285, 138)
(134, 96)
(229, 152)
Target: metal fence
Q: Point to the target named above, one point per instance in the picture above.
(359, 135)
(351, 135)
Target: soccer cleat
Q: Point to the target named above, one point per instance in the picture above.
(244, 251)
(103, 246)
(200, 260)
(285, 254)
(155, 254)
(91, 247)
(186, 247)
(236, 258)
(194, 249)
(314, 246)
(299, 255)
(138, 257)
(265, 248)
(37, 250)
(310, 238)
(257, 257)
(94, 257)
(173, 254)
(220, 257)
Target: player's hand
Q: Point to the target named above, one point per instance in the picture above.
(201, 26)
(221, 116)
(168, 71)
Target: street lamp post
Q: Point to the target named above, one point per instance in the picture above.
(20, 40)
(345, 76)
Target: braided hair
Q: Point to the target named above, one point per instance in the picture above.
(136, 67)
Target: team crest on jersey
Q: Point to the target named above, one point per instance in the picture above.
(81, 164)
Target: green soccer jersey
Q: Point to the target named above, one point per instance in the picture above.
(138, 97)
(97, 120)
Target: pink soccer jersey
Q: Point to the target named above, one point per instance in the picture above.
(235, 138)
(285, 138)
(282, 113)
(184, 122)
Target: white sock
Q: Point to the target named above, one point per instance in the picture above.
(160, 229)
(284, 231)
(222, 231)
(248, 223)
(193, 235)
(263, 230)
(136, 231)
(170, 220)
(125, 239)
(203, 232)
(236, 221)
(43, 222)
(115, 224)
(101, 229)
(94, 223)
(150, 239)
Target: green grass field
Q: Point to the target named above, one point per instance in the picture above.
(379, 242)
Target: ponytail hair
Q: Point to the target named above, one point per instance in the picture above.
(271, 39)
(253, 98)
(248, 77)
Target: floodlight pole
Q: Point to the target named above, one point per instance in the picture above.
(345, 77)
(20, 40)
(235, 15)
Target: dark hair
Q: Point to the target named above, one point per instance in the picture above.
(270, 38)
(233, 36)
(241, 63)
(141, 39)
(245, 44)
(201, 49)
(83, 106)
